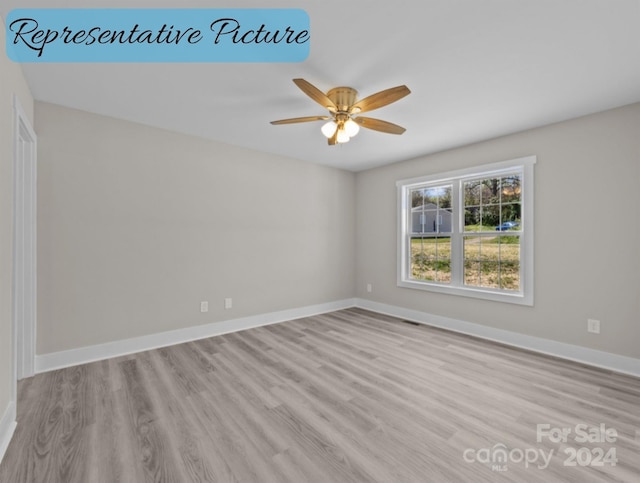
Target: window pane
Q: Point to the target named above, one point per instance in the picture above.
(417, 198)
(509, 262)
(490, 217)
(511, 189)
(472, 193)
(431, 196)
(492, 261)
(431, 259)
(490, 191)
(421, 220)
(472, 218)
(431, 210)
(492, 204)
(445, 197)
(489, 275)
(510, 217)
(471, 272)
(478, 248)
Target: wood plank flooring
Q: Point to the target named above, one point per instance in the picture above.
(349, 396)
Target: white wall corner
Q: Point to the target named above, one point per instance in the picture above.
(83, 355)
(7, 427)
(584, 355)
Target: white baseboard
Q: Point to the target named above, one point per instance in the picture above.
(82, 355)
(7, 427)
(592, 357)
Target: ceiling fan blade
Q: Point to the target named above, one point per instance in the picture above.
(380, 99)
(293, 120)
(316, 94)
(378, 125)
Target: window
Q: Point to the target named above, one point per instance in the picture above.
(469, 232)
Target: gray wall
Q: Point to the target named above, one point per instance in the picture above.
(11, 82)
(587, 232)
(137, 225)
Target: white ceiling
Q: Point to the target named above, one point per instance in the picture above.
(477, 69)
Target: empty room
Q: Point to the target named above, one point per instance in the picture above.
(326, 242)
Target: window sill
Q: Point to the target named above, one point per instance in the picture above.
(478, 293)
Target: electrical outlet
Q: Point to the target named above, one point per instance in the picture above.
(593, 326)
(369, 288)
(228, 303)
(204, 306)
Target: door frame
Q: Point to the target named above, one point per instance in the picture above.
(24, 246)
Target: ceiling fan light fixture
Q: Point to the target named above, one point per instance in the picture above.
(351, 127)
(343, 137)
(329, 129)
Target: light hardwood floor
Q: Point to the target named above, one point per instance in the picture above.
(349, 396)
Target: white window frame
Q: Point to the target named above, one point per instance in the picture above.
(525, 295)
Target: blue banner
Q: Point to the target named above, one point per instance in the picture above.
(157, 35)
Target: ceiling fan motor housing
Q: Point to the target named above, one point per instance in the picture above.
(343, 97)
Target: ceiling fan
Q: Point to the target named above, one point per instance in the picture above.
(344, 111)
